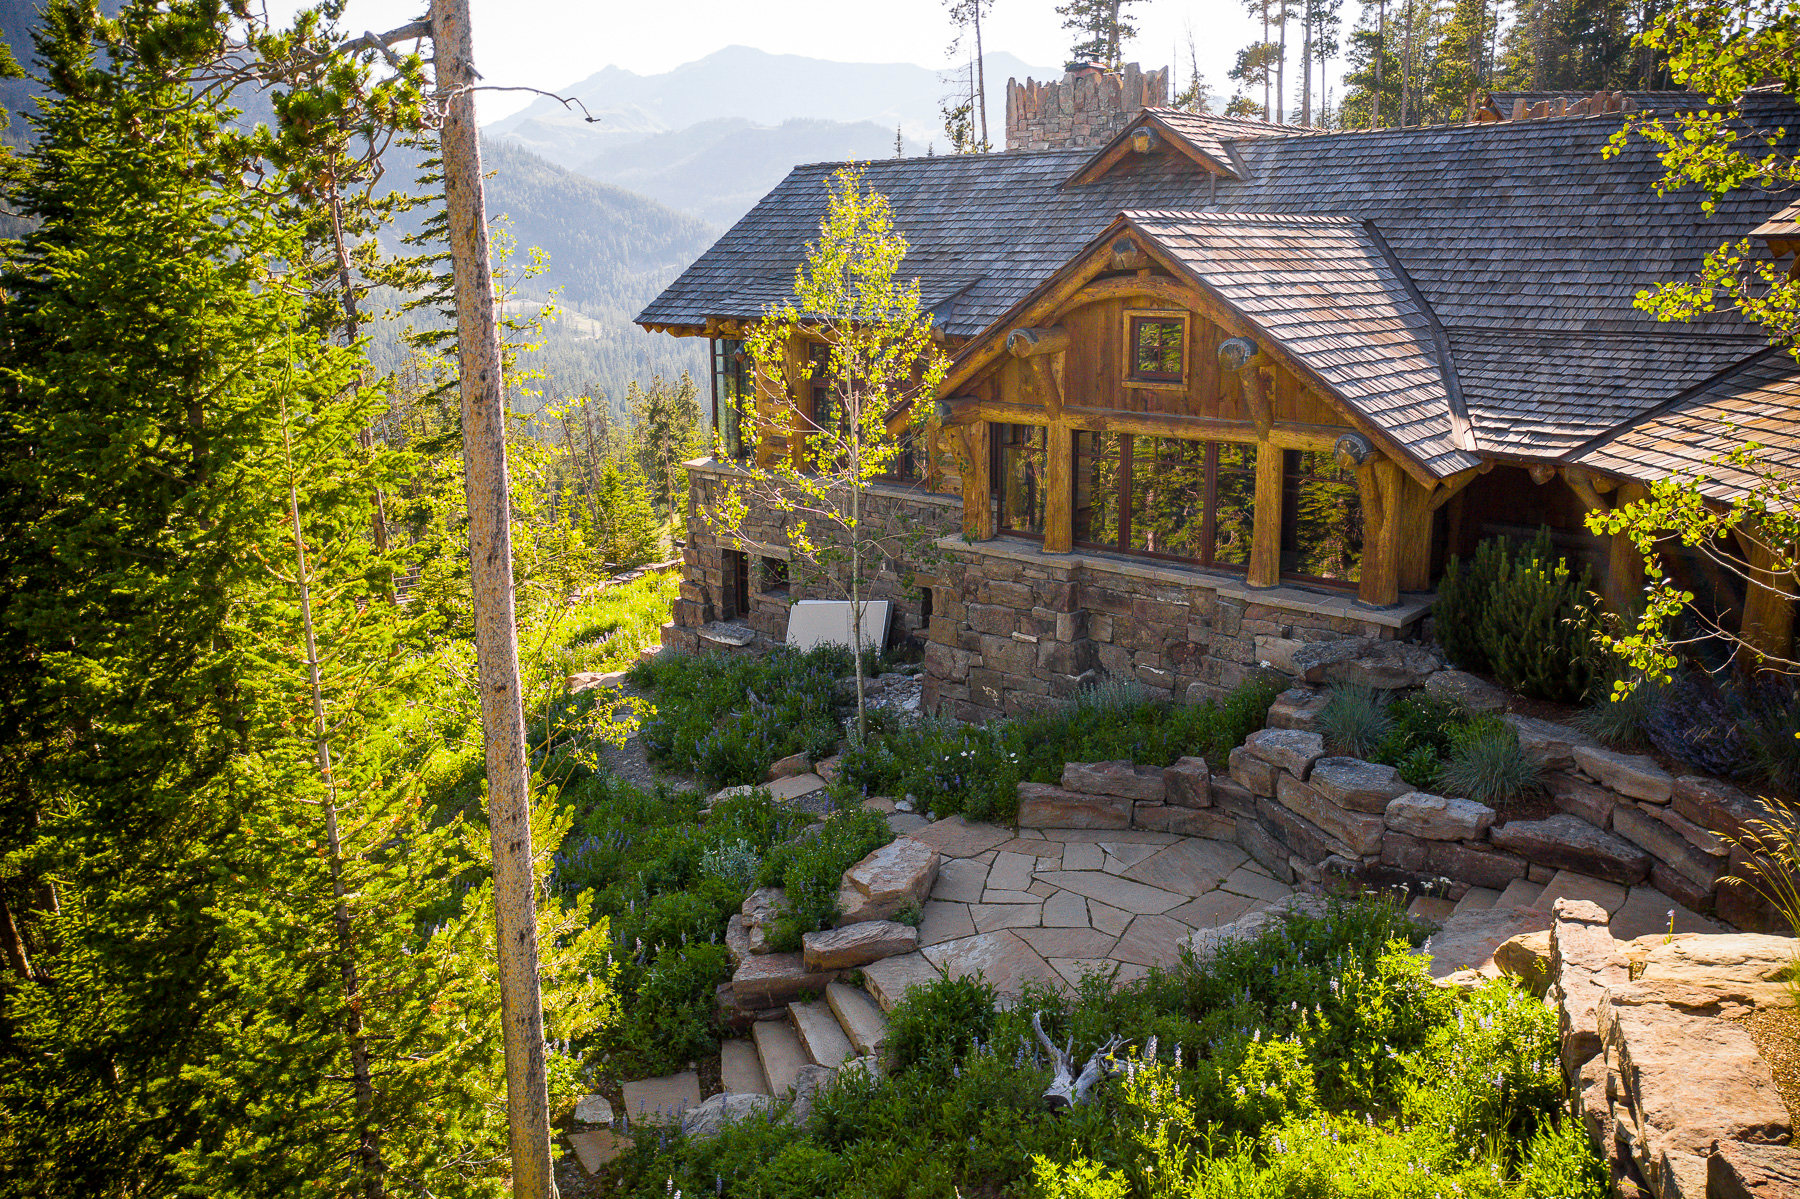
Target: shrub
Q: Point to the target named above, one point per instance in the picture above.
(1522, 614)
(1489, 766)
(938, 1023)
(811, 867)
(1624, 721)
(1354, 720)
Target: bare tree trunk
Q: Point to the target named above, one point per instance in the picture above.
(1380, 53)
(1306, 57)
(14, 941)
(981, 93)
(1406, 65)
(496, 634)
(1281, 70)
(1267, 111)
(352, 330)
(368, 1135)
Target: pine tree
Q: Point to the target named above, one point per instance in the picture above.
(665, 430)
(1102, 27)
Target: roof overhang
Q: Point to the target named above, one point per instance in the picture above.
(1148, 133)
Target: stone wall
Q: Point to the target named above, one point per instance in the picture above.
(1014, 630)
(1083, 108)
(703, 582)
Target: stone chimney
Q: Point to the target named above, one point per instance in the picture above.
(1083, 109)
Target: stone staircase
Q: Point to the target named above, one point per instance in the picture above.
(827, 1032)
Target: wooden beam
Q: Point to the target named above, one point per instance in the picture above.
(1450, 485)
(1126, 287)
(1028, 343)
(1767, 626)
(1418, 514)
(1624, 565)
(1257, 382)
(978, 355)
(1290, 435)
(1379, 481)
(1127, 255)
(1143, 139)
(1059, 497)
(1265, 529)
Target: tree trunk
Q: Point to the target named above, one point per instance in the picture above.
(1267, 111)
(1380, 53)
(1406, 65)
(496, 634)
(13, 940)
(1306, 57)
(352, 330)
(980, 88)
(1281, 70)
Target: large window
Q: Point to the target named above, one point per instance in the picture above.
(1321, 519)
(731, 375)
(1165, 497)
(1019, 470)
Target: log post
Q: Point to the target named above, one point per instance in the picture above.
(491, 583)
(1265, 530)
(1624, 565)
(1417, 515)
(1059, 499)
(1379, 480)
(1767, 627)
(982, 463)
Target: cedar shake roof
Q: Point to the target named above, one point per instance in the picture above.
(1324, 289)
(1203, 135)
(1755, 402)
(1525, 244)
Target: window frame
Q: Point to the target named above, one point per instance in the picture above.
(1158, 380)
(997, 473)
(1128, 456)
(727, 358)
(1288, 514)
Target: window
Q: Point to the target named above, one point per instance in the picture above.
(774, 576)
(1158, 347)
(736, 600)
(1321, 519)
(1019, 468)
(731, 375)
(1165, 497)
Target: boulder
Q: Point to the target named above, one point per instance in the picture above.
(1748, 1171)
(593, 1109)
(1743, 964)
(1287, 749)
(589, 680)
(1208, 941)
(1526, 957)
(1044, 806)
(759, 913)
(1437, 817)
(711, 1117)
(855, 945)
(1628, 774)
(1188, 784)
(1551, 743)
(1277, 653)
(1462, 688)
(1360, 832)
(829, 769)
(1357, 785)
(1251, 772)
(1120, 779)
(896, 876)
(788, 767)
(771, 980)
(1718, 806)
(1311, 661)
(806, 1087)
(1565, 842)
(1584, 962)
(1386, 666)
(1477, 865)
(1297, 708)
(737, 940)
(1578, 797)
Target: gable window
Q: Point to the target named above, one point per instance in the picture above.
(1019, 468)
(1157, 343)
(730, 384)
(1164, 497)
(1321, 519)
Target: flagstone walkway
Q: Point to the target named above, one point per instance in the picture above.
(1049, 906)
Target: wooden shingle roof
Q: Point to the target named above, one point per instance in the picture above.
(1754, 403)
(1525, 244)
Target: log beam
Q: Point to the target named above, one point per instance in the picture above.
(1028, 343)
(1265, 531)
(1417, 515)
(1290, 435)
(1378, 479)
(1767, 626)
(1059, 500)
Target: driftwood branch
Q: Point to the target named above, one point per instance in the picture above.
(1067, 1088)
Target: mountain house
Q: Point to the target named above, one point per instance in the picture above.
(1220, 387)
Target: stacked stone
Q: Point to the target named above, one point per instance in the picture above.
(1085, 108)
(1121, 795)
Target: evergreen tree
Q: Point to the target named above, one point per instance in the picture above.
(1101, 27)
(665, 430)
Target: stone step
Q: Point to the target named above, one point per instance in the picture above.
(778, 1048)
(740, 1069)
(860, 1017)
(891, 978)
(1475, 899)
(817, 1028)
(1520, 893)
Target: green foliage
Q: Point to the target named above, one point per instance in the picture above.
(1488, 765)
(939, 1023)
(1521, 614)
(809, 868)
(1355, 720)
(1316, 1060)
(1620, 719)
(727, 718)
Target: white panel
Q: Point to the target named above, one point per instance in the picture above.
(827, 622)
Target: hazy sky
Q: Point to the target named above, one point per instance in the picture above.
(550, 43)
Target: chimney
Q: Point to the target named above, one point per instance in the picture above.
(1085, 108)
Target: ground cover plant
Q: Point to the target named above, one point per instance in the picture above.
(1435, 744)
(1318, 1060)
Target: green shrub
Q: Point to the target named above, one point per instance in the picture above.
(1489, 766)
(668, 1019)
(1354, 720)
(811, 867)
(938, 1023)
(1620, 722)
(1520, 613)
